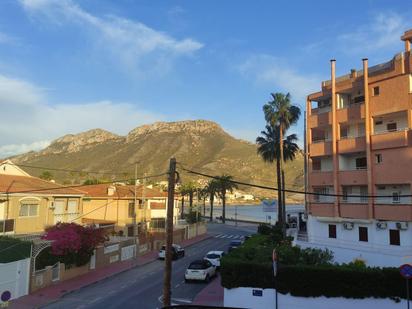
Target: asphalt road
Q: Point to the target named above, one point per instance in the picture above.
(142, 287)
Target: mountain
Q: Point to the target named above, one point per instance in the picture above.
(199, 145)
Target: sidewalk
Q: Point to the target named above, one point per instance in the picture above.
(52, 293)
(212, 295)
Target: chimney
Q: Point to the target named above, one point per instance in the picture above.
(407, 38)
(111, 190)
(353, 73)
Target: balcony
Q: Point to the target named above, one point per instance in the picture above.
(319, 120)
(320, 178)
(354, 210)
(353, 112)
(388, 139)
(394, 212)
(352, 144)
(321, 110)
(320, 148)
(322, 209)
(353, 177)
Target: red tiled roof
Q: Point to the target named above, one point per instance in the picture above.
(122, 191)
(28, 184)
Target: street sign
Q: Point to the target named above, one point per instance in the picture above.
(257, 293)
(406, 271)
(270, 205)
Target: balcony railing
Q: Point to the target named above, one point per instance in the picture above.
(321, 140)
(321, 110)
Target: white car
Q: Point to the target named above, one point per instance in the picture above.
(200, 270)
(177, 252)
(214, 257)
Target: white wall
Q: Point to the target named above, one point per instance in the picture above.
(326, 164)
(347, 247)
(14, 277)
(243, 298)
(404, 189)
(400, 119)
(348, 162)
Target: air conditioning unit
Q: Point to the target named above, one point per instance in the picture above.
(381, 225)
(402, 225)
(51, 206)
(348, 225)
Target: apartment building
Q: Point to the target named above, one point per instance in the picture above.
(359, 162)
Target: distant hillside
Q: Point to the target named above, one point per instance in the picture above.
(199, 144)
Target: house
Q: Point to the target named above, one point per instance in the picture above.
(113, 204)
(29, 204)
(358, 162)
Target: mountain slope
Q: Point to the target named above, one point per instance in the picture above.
(201, 145)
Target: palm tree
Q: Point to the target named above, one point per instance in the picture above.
(201, 196)
(224, 184)
(281, 112)
(269, 150)
(211, 189)
(183, 193)
(189, 189)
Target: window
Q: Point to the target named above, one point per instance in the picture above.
(28, 210)
(378, 158)
(316, 164)
(359, 99)
(363, 233)
(394, 237)
(7, 225)
(320, 198)
(343, 132)
(364, 194)
(346, 191)
(395, 197)
(332, 231)
(361, 163)
(378, 123)
(130, 230)
(131, 209)
(391, 126)
(376, 90)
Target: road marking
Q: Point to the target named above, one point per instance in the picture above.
(218, 235)
(237, 236)
(182, 300)
(230, 236)
(177, 285)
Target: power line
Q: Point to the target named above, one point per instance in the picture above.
(260, 179)
(71, 171)
(295, 191)
(77, 186)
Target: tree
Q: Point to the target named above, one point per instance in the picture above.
(73, 243)
(189, 189)
(282, 113)
(211, 189)
(46, 175)
(224, 184)
(269, 150)
(202, 194)
(183, 193)
(92, 181)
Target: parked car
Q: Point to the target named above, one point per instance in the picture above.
(200, 270)
(214, 257)
(177, 252)
(234, 244)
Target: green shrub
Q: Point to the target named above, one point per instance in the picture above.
(13, 249)
(264, 229)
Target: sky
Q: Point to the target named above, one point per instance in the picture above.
(67, 66)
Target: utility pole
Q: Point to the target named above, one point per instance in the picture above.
(144, 197)
(169, 234)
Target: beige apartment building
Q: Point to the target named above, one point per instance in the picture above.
(359, 147)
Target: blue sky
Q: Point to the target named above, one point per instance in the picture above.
(71, 65)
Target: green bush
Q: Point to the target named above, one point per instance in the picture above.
(45, 258)
(13, 249)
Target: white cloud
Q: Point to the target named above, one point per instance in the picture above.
(274, 71)
(12, 149)
(28, 121)
(383, 31)
(132, 42)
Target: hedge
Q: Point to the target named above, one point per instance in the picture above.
(13, 249)
(313, 281)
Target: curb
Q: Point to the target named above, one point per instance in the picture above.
(111, 275)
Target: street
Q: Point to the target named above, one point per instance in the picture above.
(142, 287)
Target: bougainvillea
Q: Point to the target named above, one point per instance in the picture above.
(73, 243)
